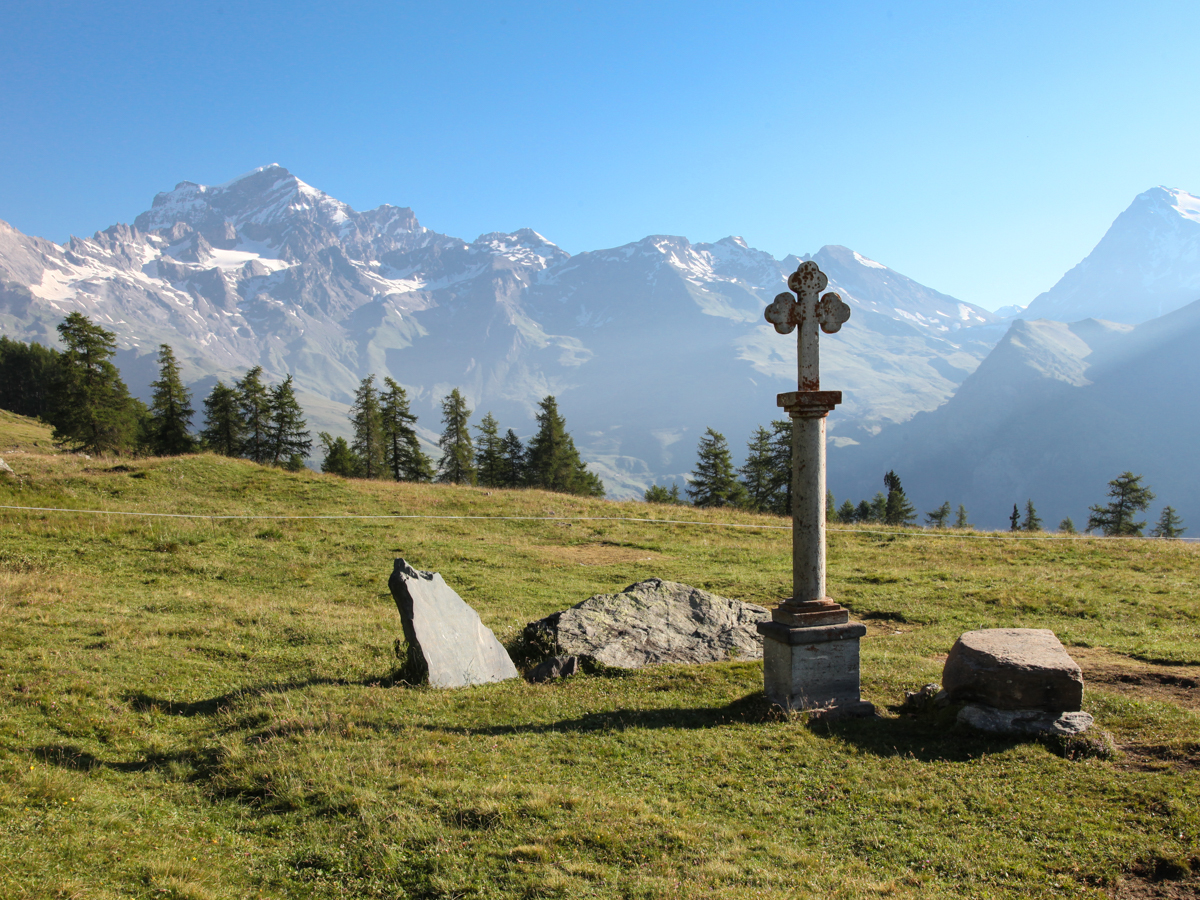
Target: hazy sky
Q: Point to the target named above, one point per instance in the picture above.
(981, 149)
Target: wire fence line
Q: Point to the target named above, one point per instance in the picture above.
(910, 532)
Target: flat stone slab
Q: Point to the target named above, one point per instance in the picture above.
(1015, 669)
(445, 636)
(1024, 721)
(651, 623)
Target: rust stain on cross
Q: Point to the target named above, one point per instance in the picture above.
(808, 311)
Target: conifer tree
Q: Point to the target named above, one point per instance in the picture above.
(830, 507)
(657, 493)
(339, 458)
(551, 460)
(402, 449)
(760, 475)
(170, 409)
(288, 441)
(846, 514)
(865, 512)
(937, 518)
(1129, 497)
(1169, 525)
(27, 375)
(224, 428)
(489, 453)
(713, 481)
(1066, 526)
(366, 418)
(1014, 520)
(513, 453)
(1033, 521)
(781, 447)
(457, 465)
(254, 399)
(898, 509)
(91, 409)
(960, 519)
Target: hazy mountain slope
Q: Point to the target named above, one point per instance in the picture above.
(1051, 415)
(1147, 264)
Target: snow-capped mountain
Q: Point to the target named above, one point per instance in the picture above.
(1146, 265)
(645, 345)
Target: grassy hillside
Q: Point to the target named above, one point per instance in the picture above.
(209, 708)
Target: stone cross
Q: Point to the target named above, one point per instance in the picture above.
(810, 646)
(808, 406)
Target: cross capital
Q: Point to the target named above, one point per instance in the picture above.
(809, 311)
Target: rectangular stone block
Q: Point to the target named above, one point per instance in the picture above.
(808, 668)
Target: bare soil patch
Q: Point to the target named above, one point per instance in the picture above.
(1179, 685)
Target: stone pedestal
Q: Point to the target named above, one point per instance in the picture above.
(814, 668)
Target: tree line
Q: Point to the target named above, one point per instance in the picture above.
(80, 393)
(763, 484)
(385, 444)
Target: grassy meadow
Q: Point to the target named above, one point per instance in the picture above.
(212, 708)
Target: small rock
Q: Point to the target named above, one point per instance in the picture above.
(447, 642)
(1024, 721)
(920, 700)
(1013, 668)
(555, 667)
(650, 623)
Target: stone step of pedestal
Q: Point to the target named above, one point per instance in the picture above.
(784, 616)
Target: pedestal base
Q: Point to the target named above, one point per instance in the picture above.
(814, 668)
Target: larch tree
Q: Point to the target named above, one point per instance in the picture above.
(937, 518)
(1032, 521)
(1129, 497)
(898, 510)
(224, 428)
(551, 460)
(759, 474)
(339, 458)
(713, 481)
(846, 512)
(489, 453)
(288, 441)
(457, 465)
(1169, 525)
(91, 407)
(170, 409)
(960, 518)
(366, 419)
(514, 457)
(1014, 520)
(28, 373)
(254, 400)
(402, 449)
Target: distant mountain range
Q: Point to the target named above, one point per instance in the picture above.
(644, 345)
(648, 344)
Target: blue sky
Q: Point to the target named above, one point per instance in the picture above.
(981, 149)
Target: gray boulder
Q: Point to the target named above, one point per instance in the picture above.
(448, 644)
(650, 623)
(1024, 721)
(1014, 669)
(555, 667)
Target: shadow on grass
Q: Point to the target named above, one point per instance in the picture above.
(143, 702)
(67, 756)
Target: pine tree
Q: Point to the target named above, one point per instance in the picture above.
(513, 452)
(457, 465)
(91, 409)
(1066, 526)
(170, 409)
(339, 458)
(288, 441)
(489, 453)
(402, 449)
(1169, 525)
(1128, 498)
(1014, 521)
(764, 484)
(254, 399)
(781, 446)
(27, 374)
(366, 418)
(937, 518)
(656, 493)
(224, 428)
(830, 507)
(898, 511)
(865, 512)
(960, 519)
(846, 514)
(1033, 521)
(552, 462)
(713, 482)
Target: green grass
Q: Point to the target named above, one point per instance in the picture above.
(210, 708)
